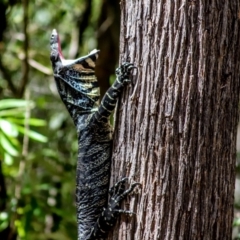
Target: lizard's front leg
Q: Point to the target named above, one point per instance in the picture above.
(110, 98)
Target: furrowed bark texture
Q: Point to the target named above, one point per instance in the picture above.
(176, 125)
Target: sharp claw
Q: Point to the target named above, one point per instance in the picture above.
(127, 63)
(136, 184)
(124, 179)
(133, 67)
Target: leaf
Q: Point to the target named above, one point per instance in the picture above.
(37, 122)
(236, 222)
(8, 128)
(17, 112)
(32, 134)
(3, 216)
(7, 145)
(3, 225)
(15, 103)
(56, 120)
(32, 121)
(8, 159)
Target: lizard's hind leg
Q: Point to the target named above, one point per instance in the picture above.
(110, 214)
(117, 194)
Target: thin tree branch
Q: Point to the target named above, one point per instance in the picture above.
(7, 76)
(24, 80)
(22, 163)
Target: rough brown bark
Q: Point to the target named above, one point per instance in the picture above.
(176, 126)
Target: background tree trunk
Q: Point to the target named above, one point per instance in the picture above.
(176, 125)
(108, 42)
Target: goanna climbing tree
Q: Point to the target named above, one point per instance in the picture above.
(176, 125)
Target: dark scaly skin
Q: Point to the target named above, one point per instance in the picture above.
(78, 88)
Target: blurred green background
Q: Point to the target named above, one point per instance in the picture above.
(38, 147)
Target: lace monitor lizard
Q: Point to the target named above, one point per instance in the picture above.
(78, 88)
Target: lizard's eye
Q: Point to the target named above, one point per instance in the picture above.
(54, 56)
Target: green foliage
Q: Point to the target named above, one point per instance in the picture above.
(38, 147)
(41, 183)
(236, 226)
(14, 122)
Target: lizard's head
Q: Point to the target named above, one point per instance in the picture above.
(75, 79)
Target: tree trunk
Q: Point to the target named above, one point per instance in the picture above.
(176, 125)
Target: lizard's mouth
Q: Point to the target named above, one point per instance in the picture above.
(56, 44)
(81, 64)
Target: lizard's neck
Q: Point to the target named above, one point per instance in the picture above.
(81, 100)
